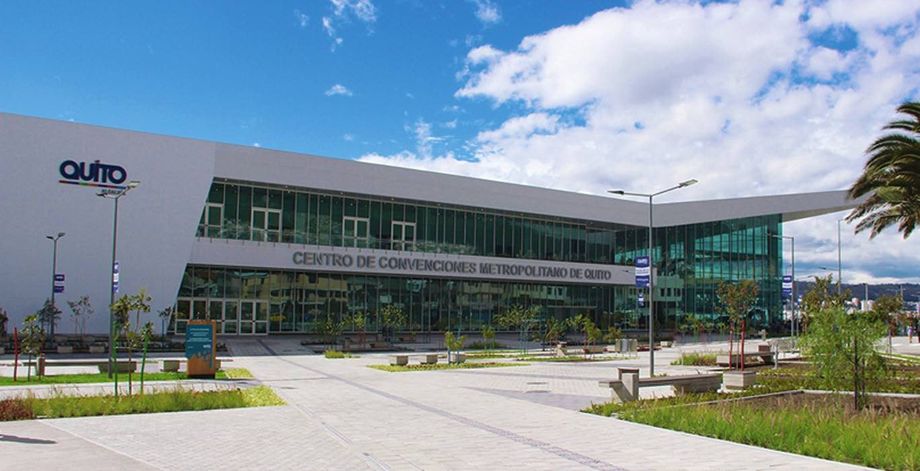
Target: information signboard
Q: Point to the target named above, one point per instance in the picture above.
(200, 349)
(643, 272)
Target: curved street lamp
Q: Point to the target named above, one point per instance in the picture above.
(651, 283)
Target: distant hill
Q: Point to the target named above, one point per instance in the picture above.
(911, 290)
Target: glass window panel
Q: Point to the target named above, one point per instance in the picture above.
(275, 199)
(324, 222)
(287, 217)
(300, 218)
(259, 198)
(230, 223)
(245, 213)
(216, 195)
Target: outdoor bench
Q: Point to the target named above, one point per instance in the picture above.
(626, 387)
(423, 359)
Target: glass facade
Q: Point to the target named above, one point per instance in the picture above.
(691, 261)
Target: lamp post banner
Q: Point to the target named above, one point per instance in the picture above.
(115, 277)
(643, 272)
(787, 286)
(58, 282)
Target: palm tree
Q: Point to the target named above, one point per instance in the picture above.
(891, 178)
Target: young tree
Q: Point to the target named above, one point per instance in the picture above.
(32, 339)
(488, 336)
(518, 317)
(887, 309)
(166, 315)
(49, 314)
(146, 335)
(391, 316)
(736, 301)
(842, 347)
(81, 309)
(4, 318)
(121, 310)
(453, 344)
(358, 321)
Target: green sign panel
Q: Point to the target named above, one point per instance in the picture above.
(198, 341)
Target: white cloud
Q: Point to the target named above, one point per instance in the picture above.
(338, 89)
(344, 11)
(733, 94)
(348, 137)
(487, 12)
(302, 18)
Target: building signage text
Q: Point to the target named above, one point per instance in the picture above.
(93, 174)
(398, 264)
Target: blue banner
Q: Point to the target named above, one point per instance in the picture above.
(643, 272)
(787, 287)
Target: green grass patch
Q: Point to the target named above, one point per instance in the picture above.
(261, 396)
(818, 426)
(167, 401)
(83, 378)
(696, 359)
(335, 354)
(442, 366)
(88, 378)
(233, 373)
(484, 346)
(493, 354)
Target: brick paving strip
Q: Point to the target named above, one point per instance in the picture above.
(537, 444)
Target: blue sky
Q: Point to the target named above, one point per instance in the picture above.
(258, 72)
(751, 97)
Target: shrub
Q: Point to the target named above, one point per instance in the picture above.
(15, 409)
(696, 359)
(335, 354)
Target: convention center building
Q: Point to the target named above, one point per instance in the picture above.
(273, 242)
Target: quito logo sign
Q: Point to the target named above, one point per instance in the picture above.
(93, 174)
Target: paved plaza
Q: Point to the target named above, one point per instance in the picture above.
(343, 415)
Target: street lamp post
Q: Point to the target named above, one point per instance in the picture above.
(651, 283)
(793, 299)
(53, 239)
(114, 194)
(839, 269)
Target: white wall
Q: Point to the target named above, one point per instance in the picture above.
(157, 221)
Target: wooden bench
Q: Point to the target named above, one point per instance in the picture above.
(626, 387)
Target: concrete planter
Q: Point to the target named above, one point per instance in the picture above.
(96, 349)
(170, 366)
(592, 349)
(458, 357)
(121, 367)
(737, 380)
(64, 349)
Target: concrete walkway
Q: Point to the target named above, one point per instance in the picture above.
(343, 415)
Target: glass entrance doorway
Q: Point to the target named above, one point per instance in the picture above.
(253, 318)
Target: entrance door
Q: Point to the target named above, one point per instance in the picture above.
(231, 324)
(253, 317)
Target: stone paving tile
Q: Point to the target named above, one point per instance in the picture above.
(343, 415)
(517, 434)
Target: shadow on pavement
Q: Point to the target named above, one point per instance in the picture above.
(26, 440)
